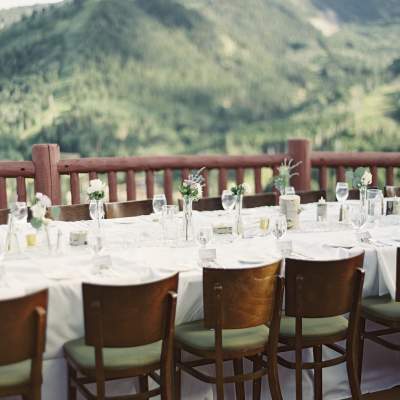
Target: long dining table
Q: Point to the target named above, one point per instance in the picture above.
(138, 253)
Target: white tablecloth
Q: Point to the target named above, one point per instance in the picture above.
(138, 254)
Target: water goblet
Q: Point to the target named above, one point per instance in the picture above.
(204, 235)
(342, 192)
(228, 200)
(279, 227)
(159, 200)
(358, 216)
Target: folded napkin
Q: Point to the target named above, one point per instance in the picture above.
(387, 258)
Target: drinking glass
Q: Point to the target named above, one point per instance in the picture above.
(374, 204)
(19, 211)
(342, 191)
(289, 190)
(358, 216)
(279, 227)
(264, 225)
(228, 200)
(204, 235)
(170, 223)
(159, 200)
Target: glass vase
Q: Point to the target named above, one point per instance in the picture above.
(363, 196)
(96, 209)
(187, 219)
(238, 228)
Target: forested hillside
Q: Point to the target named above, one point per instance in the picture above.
(122, 77)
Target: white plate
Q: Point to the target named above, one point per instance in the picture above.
(252, 260)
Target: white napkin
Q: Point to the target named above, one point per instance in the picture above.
(387, 258)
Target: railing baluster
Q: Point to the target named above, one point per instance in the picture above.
(112, 186)
(168, 185)
(389, 176)
(185, 173)
(3, 192)
(257, 180)
(75, 188)
(340, 174)
(206, 190)
(21, 188)
(130, 185)
(222, 179)
(239, 175)
(275, 170)
(92, 175)
(150, 184)
(374, 172)
(323, 178)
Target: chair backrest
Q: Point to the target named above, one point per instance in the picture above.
(20, 328)
(392, 191)
(75, 212)
(260, 200)
(354, 194)
(4, 216)
(130, 316)
(248, 295)
(311, 196)
(129, 208)
(204, 204)
(316, 289)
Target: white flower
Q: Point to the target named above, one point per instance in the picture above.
(38, 211)
(43, 200)
(366, 179)
(185, 184)
(95, 185)
(199, 190)
(245, 187)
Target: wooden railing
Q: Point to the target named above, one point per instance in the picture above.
(47, 171)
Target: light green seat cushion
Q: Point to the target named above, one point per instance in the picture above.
(314, 327)
(114, 358)
(15, 374)
(195, 335)
(382, 307)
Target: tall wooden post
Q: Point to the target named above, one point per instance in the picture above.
(300, 150)
(47, 179)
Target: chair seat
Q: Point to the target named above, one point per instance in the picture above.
(382, 308)
(113, 358)
(314, 327)
(15, 374)
(196, 336)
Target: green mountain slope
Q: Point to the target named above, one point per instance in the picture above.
(166, 76)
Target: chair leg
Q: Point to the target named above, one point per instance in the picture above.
(352, 372)
(257, 364)
(219, 375)
(239, 386)
(299, 374)
(317, 350)
(167, 379)
(36, 393)
(143, 384)
(361, 349)
(71, 386)
(178, 374)
(273, 379)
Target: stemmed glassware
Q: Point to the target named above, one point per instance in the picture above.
(358, 216)
(228, 200)
(342, 192)
(204, 235)
(159, 200)
(19, 211)
(279, 227)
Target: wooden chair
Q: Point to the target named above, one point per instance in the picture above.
(317, 294)
(204, 204)
(383, 311)
(311, 196)
(129, 332)
(129, 209)
(392, 191)
(22, 343)
(4, 216)
(75, 212)
(260, 200)
(354, 194)
(242, 310)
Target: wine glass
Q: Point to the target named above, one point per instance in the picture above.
(289, 190)
(19, 211)
(342, 192)
(159, 200)
(204, 235)
(264, 225)
(228, 200)
(358, 216)
(279, 227)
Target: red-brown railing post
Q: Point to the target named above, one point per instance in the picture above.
(300, 150)
(47, 179)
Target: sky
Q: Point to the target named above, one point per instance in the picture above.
(20, 3)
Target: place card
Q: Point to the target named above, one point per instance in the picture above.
(207, 255)
(222, 230)
(78, 238)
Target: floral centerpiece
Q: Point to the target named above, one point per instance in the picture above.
(285, 174)
(360, 178)
(239, 191)
(39, 210)
(96, 194)
(191, 190)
